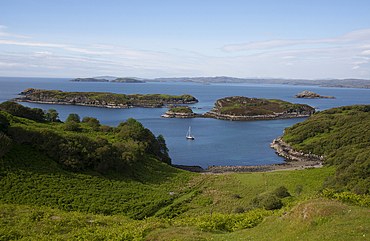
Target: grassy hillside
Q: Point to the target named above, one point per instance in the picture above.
(137, 195)
(343, 136)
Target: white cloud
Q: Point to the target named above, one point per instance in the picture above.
(353, 37)
(3, 34)
(347, 57)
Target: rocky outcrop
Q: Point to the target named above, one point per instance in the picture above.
(289, 153)
(171, 114)
(180, 112)
(312, 95)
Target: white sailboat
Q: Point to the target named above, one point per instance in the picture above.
(189, 136)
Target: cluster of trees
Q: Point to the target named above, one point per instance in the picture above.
(28, 177)
(342, 135)
(74, 148)
(36, 114)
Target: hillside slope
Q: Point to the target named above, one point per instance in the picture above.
(342, 135)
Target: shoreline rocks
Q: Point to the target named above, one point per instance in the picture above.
(312, 95)
(275, 116)
(289, 153)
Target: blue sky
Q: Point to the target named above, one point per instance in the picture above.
(174, 38)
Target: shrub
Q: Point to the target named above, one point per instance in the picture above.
(238, 209)
(73, 117)
(270, 202)
(5, 144)
(4, 123)
(281, 192)
(19, 110)
(72, 126)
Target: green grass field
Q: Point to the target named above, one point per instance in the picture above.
(148, 199)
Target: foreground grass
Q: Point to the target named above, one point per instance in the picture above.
(317, 219)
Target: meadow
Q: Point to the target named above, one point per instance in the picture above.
(145, 198)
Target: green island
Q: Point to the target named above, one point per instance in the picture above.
(80, 180)
(240, 108)
(102, 99)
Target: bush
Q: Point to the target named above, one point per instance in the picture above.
(281, 192)
(19, 110)
(5, 144)
(72, 126)
(4, 123)
(73, 117)
(270, 202)
(238, 209)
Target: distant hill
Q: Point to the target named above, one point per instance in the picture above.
(127, 80)
(105, 77)
(342, 83)
(89, 80)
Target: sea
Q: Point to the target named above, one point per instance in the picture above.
(217, 142)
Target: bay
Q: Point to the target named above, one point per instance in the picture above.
(217, 142)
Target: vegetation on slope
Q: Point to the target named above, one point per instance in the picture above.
(43, 198)
(244, 106)
(180, 109)
(343, 135)
(103, 98)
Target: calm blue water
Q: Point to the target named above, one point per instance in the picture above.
(217, 142)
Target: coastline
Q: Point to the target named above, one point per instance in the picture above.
(287, 166)
(294, 160)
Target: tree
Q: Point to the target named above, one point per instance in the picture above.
(5, 144)
(19, 110)
(52, 115)
(281, 192)
(4, 123)
(73, 117)
(71, 126)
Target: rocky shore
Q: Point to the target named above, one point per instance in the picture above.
(312, 95)
(274, 116)
(290, 154)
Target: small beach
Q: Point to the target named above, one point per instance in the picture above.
(293, 165)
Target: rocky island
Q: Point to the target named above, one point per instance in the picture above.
(117, 80)
(102, 99)
(127, 80)
(181, 112)
(89, 80)
(312, 95)
(247, 109)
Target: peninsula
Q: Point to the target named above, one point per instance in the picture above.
(247, 109)
(312, 95)
(102, 99)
